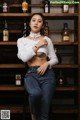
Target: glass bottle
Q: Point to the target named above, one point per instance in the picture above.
(66, 33)
(5, 7)
(60, 79)
(24, 6)
(18, 79)
(46, 6)
(65, 7)
(25, 31)
(5, 32)
(46, 29)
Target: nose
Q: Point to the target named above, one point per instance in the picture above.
(36, 22)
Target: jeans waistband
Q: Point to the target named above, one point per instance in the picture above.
(32, 69)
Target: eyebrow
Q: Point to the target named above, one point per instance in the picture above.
(35, 18)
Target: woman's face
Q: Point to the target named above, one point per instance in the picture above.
(36, 23)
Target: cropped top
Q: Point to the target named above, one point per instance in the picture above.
(26, 52)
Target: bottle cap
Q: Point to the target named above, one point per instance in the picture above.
(65, 25)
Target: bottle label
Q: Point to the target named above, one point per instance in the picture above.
(18, 82)
(25, 6)
(65, 8)
(5, 35)
(66, 38)
(5, 7)
(46, 8)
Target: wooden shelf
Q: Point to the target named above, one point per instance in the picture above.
(8, 43)
(68, 94)
(11, 88)
(65, 109)
(55, 43)
(22, 66)
(13, 108)
(51, 31)
(61, 31)
(13, 31)
(19, 109)
(12, 66)
(21, 88)
(65, 43)
(37, 5)
(45, 14)
(67, 88)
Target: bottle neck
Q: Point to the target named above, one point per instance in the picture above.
(6, 26)
(65, 26)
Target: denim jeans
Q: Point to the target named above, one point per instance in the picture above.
(41, 89)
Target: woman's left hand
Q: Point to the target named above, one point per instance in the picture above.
(41, 70)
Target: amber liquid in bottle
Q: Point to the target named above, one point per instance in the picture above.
(25, 6)
(46, 29)
(66, 33)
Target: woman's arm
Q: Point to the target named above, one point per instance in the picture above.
(51, 53)
(25, 53)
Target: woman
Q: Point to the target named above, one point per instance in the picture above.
(39, 80)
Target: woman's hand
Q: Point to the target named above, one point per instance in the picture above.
(41, 43)
(42, 69)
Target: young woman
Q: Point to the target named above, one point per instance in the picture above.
(39, 80)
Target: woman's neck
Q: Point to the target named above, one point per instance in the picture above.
(34, 35)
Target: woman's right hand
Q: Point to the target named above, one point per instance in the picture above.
(41, 43)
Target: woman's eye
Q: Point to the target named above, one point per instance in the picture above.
(40, 21)
(33, 20)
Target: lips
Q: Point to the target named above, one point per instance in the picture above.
(35, 27)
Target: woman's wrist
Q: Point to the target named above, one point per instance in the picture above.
(35, 48)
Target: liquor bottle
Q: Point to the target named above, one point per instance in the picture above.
(24, 6)
(5, 32)
(25, 31)
(60, 79)
(46, 6)
(66, 33)
(5, 7)
(18, 79)
(58, 55)
(46, 29)
(65, 7)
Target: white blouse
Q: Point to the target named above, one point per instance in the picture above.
(26, 52)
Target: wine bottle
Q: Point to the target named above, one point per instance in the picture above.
(5, 32)
(46, 6)
(66, 33)
(5, 7)
(25, 31)
(65, 7)
(46, 29)
(18, 79)
(24, 6)
(60, 79)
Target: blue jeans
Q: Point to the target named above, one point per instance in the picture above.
(40, 89)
